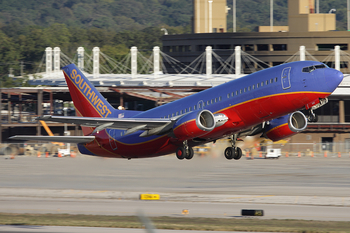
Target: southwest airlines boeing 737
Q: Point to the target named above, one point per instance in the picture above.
(268, 103)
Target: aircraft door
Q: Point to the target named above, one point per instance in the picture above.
(286, 78)
(200, 105)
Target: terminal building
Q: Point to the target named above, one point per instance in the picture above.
(272, 45)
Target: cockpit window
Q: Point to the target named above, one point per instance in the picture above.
(321, 66)
(312, 68)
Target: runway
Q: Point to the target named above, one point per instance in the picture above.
(288, 188)
(60, 229)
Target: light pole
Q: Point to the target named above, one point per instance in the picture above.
(210, 16)
(348, 14)
(234, 15)
(271, 15)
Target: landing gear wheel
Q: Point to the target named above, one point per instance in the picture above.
(190, 153)
(238, 154)
(229, 153)
(312, 118)
(180, 153)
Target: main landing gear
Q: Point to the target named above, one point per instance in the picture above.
(184, 152)
(311, 116)
(233, 152)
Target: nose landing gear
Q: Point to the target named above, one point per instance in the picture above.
(312, 117)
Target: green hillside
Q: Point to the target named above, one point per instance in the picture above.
(119, 15)
(27, 27)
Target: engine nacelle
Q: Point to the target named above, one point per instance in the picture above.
(286, 126)
(194, 124)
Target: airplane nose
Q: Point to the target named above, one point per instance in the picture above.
(333, 78)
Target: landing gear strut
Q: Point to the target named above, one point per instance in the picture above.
(184, 152)
(312, 117)
(233, 152)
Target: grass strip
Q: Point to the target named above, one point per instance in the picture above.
(176, 223)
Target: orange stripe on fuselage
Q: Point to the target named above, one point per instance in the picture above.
(276, 128)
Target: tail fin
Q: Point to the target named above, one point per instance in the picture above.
(87, 100)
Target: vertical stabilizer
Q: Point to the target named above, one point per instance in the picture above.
(87, 100)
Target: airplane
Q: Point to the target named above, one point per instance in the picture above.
(267, 103)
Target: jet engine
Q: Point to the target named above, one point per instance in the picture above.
(194, 124)
(286, 126)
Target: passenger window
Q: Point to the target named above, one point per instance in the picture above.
(189, 109)
(248, 88)
(245, 89)
(232, 94)
(257, 85)
(276, 80)
(220, 98)
(194, 107)
(180, 112)
(253, 87)
(216, 100)
(203, 104)
(262, 84)
(271, 80)
(240, 91)
(208, 102)
(177, 113)
(228, 95)
(267, 82)
(236, 92)
(173, 115)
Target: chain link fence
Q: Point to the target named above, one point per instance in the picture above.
(35, 149)
(293, 149)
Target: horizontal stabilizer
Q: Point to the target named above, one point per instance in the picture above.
(113, 123)
(66, 139)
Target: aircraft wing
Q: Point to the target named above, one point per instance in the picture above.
(152, 126)
(66, 139)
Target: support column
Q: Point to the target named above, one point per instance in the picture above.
(341, 111)
(40, 110)
(56, 59)
(209, 62)
(133, 51)
(156, 61)
(51, 103)
(238, 63)
(302, 53)
(48, 52)
(80, 52)
(9, 108)
(96, 62)
(337, 57)
(121, 101)
(20, 106)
